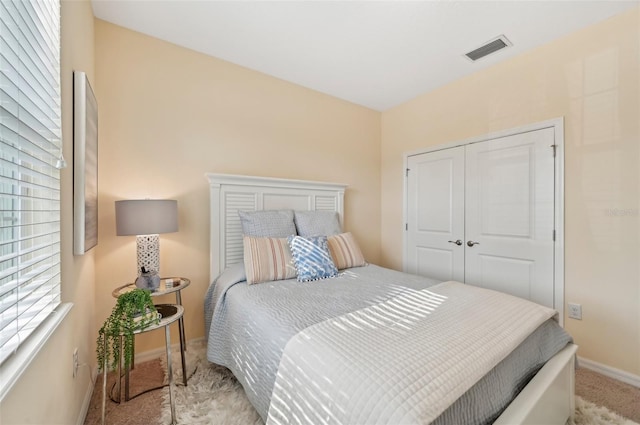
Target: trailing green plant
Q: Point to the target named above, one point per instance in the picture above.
(134, 310)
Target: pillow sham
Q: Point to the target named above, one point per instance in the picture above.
(312, 258)
(267, 259)
(345, 251)
(267, 223)
(317, 223)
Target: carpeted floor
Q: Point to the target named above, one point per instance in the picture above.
(143, 410)
(615, 395)
(195, 405)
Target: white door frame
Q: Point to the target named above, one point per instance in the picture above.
(558, 125)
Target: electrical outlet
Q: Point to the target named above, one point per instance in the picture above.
(75, 362)
(575, 311)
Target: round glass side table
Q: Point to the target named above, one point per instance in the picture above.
(170, 313)
(168, 285)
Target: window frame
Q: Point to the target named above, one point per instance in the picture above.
(31, 138)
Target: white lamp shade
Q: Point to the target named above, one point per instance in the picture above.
(146, 217)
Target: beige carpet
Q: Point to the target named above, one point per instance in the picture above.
(213, 396)
(143, 410)
(619, 397)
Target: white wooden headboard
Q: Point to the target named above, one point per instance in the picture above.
(231, 193)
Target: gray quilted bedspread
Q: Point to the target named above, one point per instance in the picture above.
(248, 327)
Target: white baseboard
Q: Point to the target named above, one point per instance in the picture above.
(87, 398)
(156, 353)
(611, 372)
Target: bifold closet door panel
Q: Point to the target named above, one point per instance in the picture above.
(435, 214)
(509, 215)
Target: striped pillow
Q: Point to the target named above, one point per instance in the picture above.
(267, 259)
(345, 251)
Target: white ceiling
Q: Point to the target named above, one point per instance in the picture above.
(373, 53)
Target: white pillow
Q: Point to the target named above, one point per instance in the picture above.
(267, 223)
(317, 223)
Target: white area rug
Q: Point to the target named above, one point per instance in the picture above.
(588, 413)
(214, 397)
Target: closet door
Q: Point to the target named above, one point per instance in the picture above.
(435, 214)
(509, 215)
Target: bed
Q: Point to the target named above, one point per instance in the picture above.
(319, 352)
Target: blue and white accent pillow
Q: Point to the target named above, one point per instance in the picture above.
(312, 258)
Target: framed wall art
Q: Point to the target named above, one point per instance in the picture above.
(85, 165)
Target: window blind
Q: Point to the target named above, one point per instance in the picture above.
(30, 144)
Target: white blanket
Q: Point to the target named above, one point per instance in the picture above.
(401, 361)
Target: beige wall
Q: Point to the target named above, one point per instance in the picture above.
(47, 393)
(168, 115)
(592, 79)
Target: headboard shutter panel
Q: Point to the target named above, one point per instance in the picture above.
(232, 193)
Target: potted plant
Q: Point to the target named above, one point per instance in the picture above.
(134, 310)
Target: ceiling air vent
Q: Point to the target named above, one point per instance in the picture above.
(488, 48)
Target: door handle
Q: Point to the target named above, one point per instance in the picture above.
(472, 243)
(457, 242)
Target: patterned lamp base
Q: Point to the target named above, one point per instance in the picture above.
(148, 252)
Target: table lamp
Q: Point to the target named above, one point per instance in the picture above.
(146, 219)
